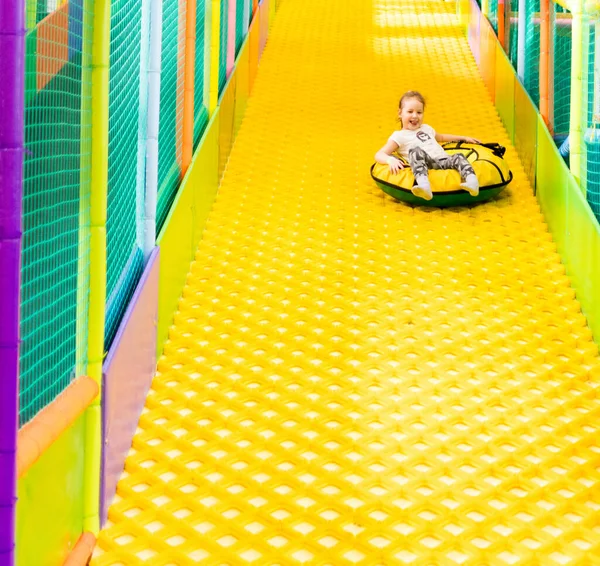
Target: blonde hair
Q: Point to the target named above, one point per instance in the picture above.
(412, 94)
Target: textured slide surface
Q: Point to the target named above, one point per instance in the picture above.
(351, 379)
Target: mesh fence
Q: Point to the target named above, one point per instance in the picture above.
(171, 105)
(493, 14)
(55, 253)
(124, 257)
(532, 50)
(561, 33)
(513, 33)
(200, 110)
(223, 44)
(239, 25)
(591, 143)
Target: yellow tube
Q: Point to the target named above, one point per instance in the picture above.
(575, 125)
(544, 61)
(98, 204)
(188, 91)
(215, 44)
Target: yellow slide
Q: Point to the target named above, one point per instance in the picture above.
(351, 379)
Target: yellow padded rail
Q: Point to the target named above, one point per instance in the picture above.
(351, 380)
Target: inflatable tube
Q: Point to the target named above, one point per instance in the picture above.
(487, 160)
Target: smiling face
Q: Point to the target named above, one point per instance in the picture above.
(411, 113)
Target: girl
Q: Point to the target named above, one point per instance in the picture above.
(418, 143)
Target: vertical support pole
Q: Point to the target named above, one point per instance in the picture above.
(215, 36)
(522, 19)
(188, 86)
(544, 60)
(154, 67)
(85, 159)
(142, 141)
(502, 23)
(575, 125)
(12, 101)
(98, 203)
(231, 36)
(208, 31)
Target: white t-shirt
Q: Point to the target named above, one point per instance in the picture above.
(424, 138)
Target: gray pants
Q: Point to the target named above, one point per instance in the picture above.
(421, 162)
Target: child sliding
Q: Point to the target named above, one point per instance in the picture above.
(418, 143)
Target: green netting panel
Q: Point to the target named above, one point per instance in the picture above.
(562, 71)
(532, 50)
(591, 143)
(239, 25)
(200, 110)
(493, 14)
(55, 252)
(513, 33)
(593, 102)
(223, 44)
(124, 258)
(171, 106)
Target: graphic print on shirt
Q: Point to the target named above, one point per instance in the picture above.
(423, 137)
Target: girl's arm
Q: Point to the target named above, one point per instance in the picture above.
(451, 137)
(384, 156)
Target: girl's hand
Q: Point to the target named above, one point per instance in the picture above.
(395, 164)
(470, 140)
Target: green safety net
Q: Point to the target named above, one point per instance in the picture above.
(513, 32)
(55, 249)
(171, 106)
(239, 25)
(223, 44)
(590, 176)
(561, 33)
(124, 258)
(532, 50)
(493, 14)
(200, 110)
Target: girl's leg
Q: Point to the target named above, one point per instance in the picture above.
(459, 162)
(420, 163)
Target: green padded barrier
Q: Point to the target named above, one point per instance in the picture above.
(50, 502)
(581, 258)
(505, 91)
(552, 179)
(526, 118)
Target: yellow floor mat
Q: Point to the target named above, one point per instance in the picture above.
(353, 380)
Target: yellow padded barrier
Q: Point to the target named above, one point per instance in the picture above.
(351, 380)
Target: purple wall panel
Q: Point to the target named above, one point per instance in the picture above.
(12, 75)
(128, 372)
